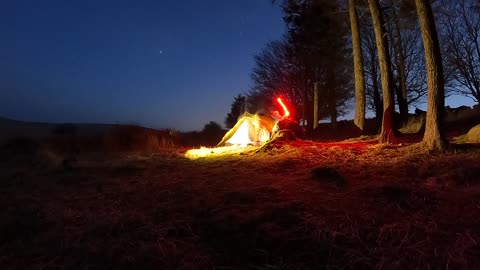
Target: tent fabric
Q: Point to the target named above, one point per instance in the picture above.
(250, 129)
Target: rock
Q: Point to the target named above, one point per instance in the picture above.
(328, 175)
(284, 135)
(473, 135)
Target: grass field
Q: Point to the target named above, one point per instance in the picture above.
(295, 205)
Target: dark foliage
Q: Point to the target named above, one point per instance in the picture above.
(20, 145)
(210, 135)
(238, 107)
(131, 138)
(315, 49)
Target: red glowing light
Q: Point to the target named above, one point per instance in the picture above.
(287, 113)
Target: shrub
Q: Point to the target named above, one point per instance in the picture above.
(24, 151)
(210, 135)
(415, 124)
(20, 145)
(131, 138)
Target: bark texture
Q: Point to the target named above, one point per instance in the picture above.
(377, 99)
(358, 68)
(433, 137)
(315, 104)
(388, 133)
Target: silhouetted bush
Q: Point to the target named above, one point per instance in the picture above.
(24, 151)
(20, 145)
(342, 130)
(414, 124)
(65, 139)
(64, 129)
(189, 139)
(138, 139)
(212, 133)
(293, 125)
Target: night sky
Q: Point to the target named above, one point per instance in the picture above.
(162, 64)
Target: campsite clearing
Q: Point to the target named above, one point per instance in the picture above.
(298, 205)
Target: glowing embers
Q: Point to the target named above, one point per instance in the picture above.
(286, 112)
(217, 151)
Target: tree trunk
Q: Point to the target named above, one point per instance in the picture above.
(333, 112)
(358, 68)
(400, 62)
(388, 132)
(402, 95)
(433, 138)
(308, 110)
(315, 104)
(332, 96)
(377, 100)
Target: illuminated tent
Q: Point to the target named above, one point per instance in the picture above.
(250, 129)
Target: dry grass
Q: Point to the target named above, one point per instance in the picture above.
(396, 208)
(136, 138)
(413, 125)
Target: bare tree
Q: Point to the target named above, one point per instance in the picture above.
(433, 138)
(461, 36)
(371, 67)
(408, 67)
(406, 48)
(276, 72)
(413, 53)
(358, 67)
(399, 57)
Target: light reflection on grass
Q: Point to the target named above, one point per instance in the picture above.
(217, 151)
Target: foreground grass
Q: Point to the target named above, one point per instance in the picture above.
(300, 205)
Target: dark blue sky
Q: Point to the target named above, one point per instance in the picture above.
(165, 63)
(159, 63)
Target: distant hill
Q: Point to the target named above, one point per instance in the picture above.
(14, 128)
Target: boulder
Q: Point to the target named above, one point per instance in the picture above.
(473, 134)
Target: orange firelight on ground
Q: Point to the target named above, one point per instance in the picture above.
(287, 113)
